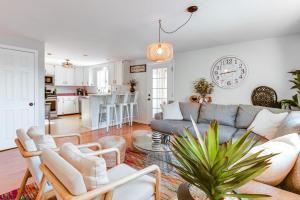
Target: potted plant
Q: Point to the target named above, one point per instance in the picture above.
(132, 83)
(203, 87)
(293, 103)
(217, 170)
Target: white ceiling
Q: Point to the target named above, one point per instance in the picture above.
(121, 29)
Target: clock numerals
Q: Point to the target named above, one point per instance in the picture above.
(228, 72)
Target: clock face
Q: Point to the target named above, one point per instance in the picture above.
(229, 72)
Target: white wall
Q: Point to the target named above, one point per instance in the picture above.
(268, 62)
(18, 41)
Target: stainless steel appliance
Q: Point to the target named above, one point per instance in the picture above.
(52, 100)
(49, 80)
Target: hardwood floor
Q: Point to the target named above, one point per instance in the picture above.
(13, 165)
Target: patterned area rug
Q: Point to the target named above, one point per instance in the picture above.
(169, 184)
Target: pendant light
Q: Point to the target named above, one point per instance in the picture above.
(162, 51)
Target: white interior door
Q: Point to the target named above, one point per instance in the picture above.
(160, 87)
(17, 94)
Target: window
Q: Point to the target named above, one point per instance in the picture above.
(102, 80)
(159, 89)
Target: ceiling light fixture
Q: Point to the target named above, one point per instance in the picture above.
(67, 64)
(163, 51)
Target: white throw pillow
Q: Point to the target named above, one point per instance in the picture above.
(288, 148)
(35, 131)
(172, 111)
(267, 123)
(44, 142)
(92, 168)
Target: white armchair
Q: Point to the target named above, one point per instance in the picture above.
(30, 152)
(125, 183)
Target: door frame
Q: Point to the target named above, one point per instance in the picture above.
(36, 78)
(169, 64)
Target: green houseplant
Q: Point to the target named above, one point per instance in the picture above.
(218, 169)
(294, 102)
(203, 87)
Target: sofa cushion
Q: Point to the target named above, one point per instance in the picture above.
(92, 168)
(141, 188)
(226, 132)
(247, 113)
(170, 126)
(291, 124)
(292, 181)
(65, 172)
(240, 132)
(189, 110)
(287, 147)
(224, 114)
(266, 123)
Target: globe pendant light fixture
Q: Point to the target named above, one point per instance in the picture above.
(162, 51)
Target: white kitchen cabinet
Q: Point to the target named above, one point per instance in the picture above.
(60, 101)
(84, 76)
(79, 76)
(67, 105)
(64, 76)
(116, 73)
(49, 70)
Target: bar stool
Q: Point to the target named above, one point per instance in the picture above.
(133, 104)
(124, 104)
(106, 108)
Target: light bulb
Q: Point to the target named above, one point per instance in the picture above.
(159, 51)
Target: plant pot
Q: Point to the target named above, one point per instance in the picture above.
(187, 191)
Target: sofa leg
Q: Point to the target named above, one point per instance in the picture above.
(23, 184)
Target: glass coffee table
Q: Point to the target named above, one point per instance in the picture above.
(157, 153)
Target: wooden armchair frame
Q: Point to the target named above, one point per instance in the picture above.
(28, 154)
(105, 190)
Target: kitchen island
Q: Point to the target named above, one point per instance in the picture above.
(90, 110)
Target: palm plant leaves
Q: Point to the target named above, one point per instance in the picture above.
(218, 169)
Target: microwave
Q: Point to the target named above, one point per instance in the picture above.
(49, 80)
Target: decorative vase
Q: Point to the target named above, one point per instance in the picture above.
(132, 89)
(198, 194)
(156, 138)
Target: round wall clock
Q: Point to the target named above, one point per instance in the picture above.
(229, 72)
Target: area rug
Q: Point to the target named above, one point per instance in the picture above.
(169, 184)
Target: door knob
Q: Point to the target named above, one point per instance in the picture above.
(31, 104)
(149, 99)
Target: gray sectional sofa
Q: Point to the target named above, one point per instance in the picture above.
(233, 120)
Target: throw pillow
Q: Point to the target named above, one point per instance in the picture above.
(172, 111)
(267, 123)
(35, 131)
(288, 148)
(291, 124)
(92, 168)
(44, 142)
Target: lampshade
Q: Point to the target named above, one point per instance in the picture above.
(159, 52)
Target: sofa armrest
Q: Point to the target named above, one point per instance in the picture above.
(254, 187)
(158, 116)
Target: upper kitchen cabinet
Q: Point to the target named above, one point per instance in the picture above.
(64, 76)
(49, 70)
(117, 72)
(84, 76)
